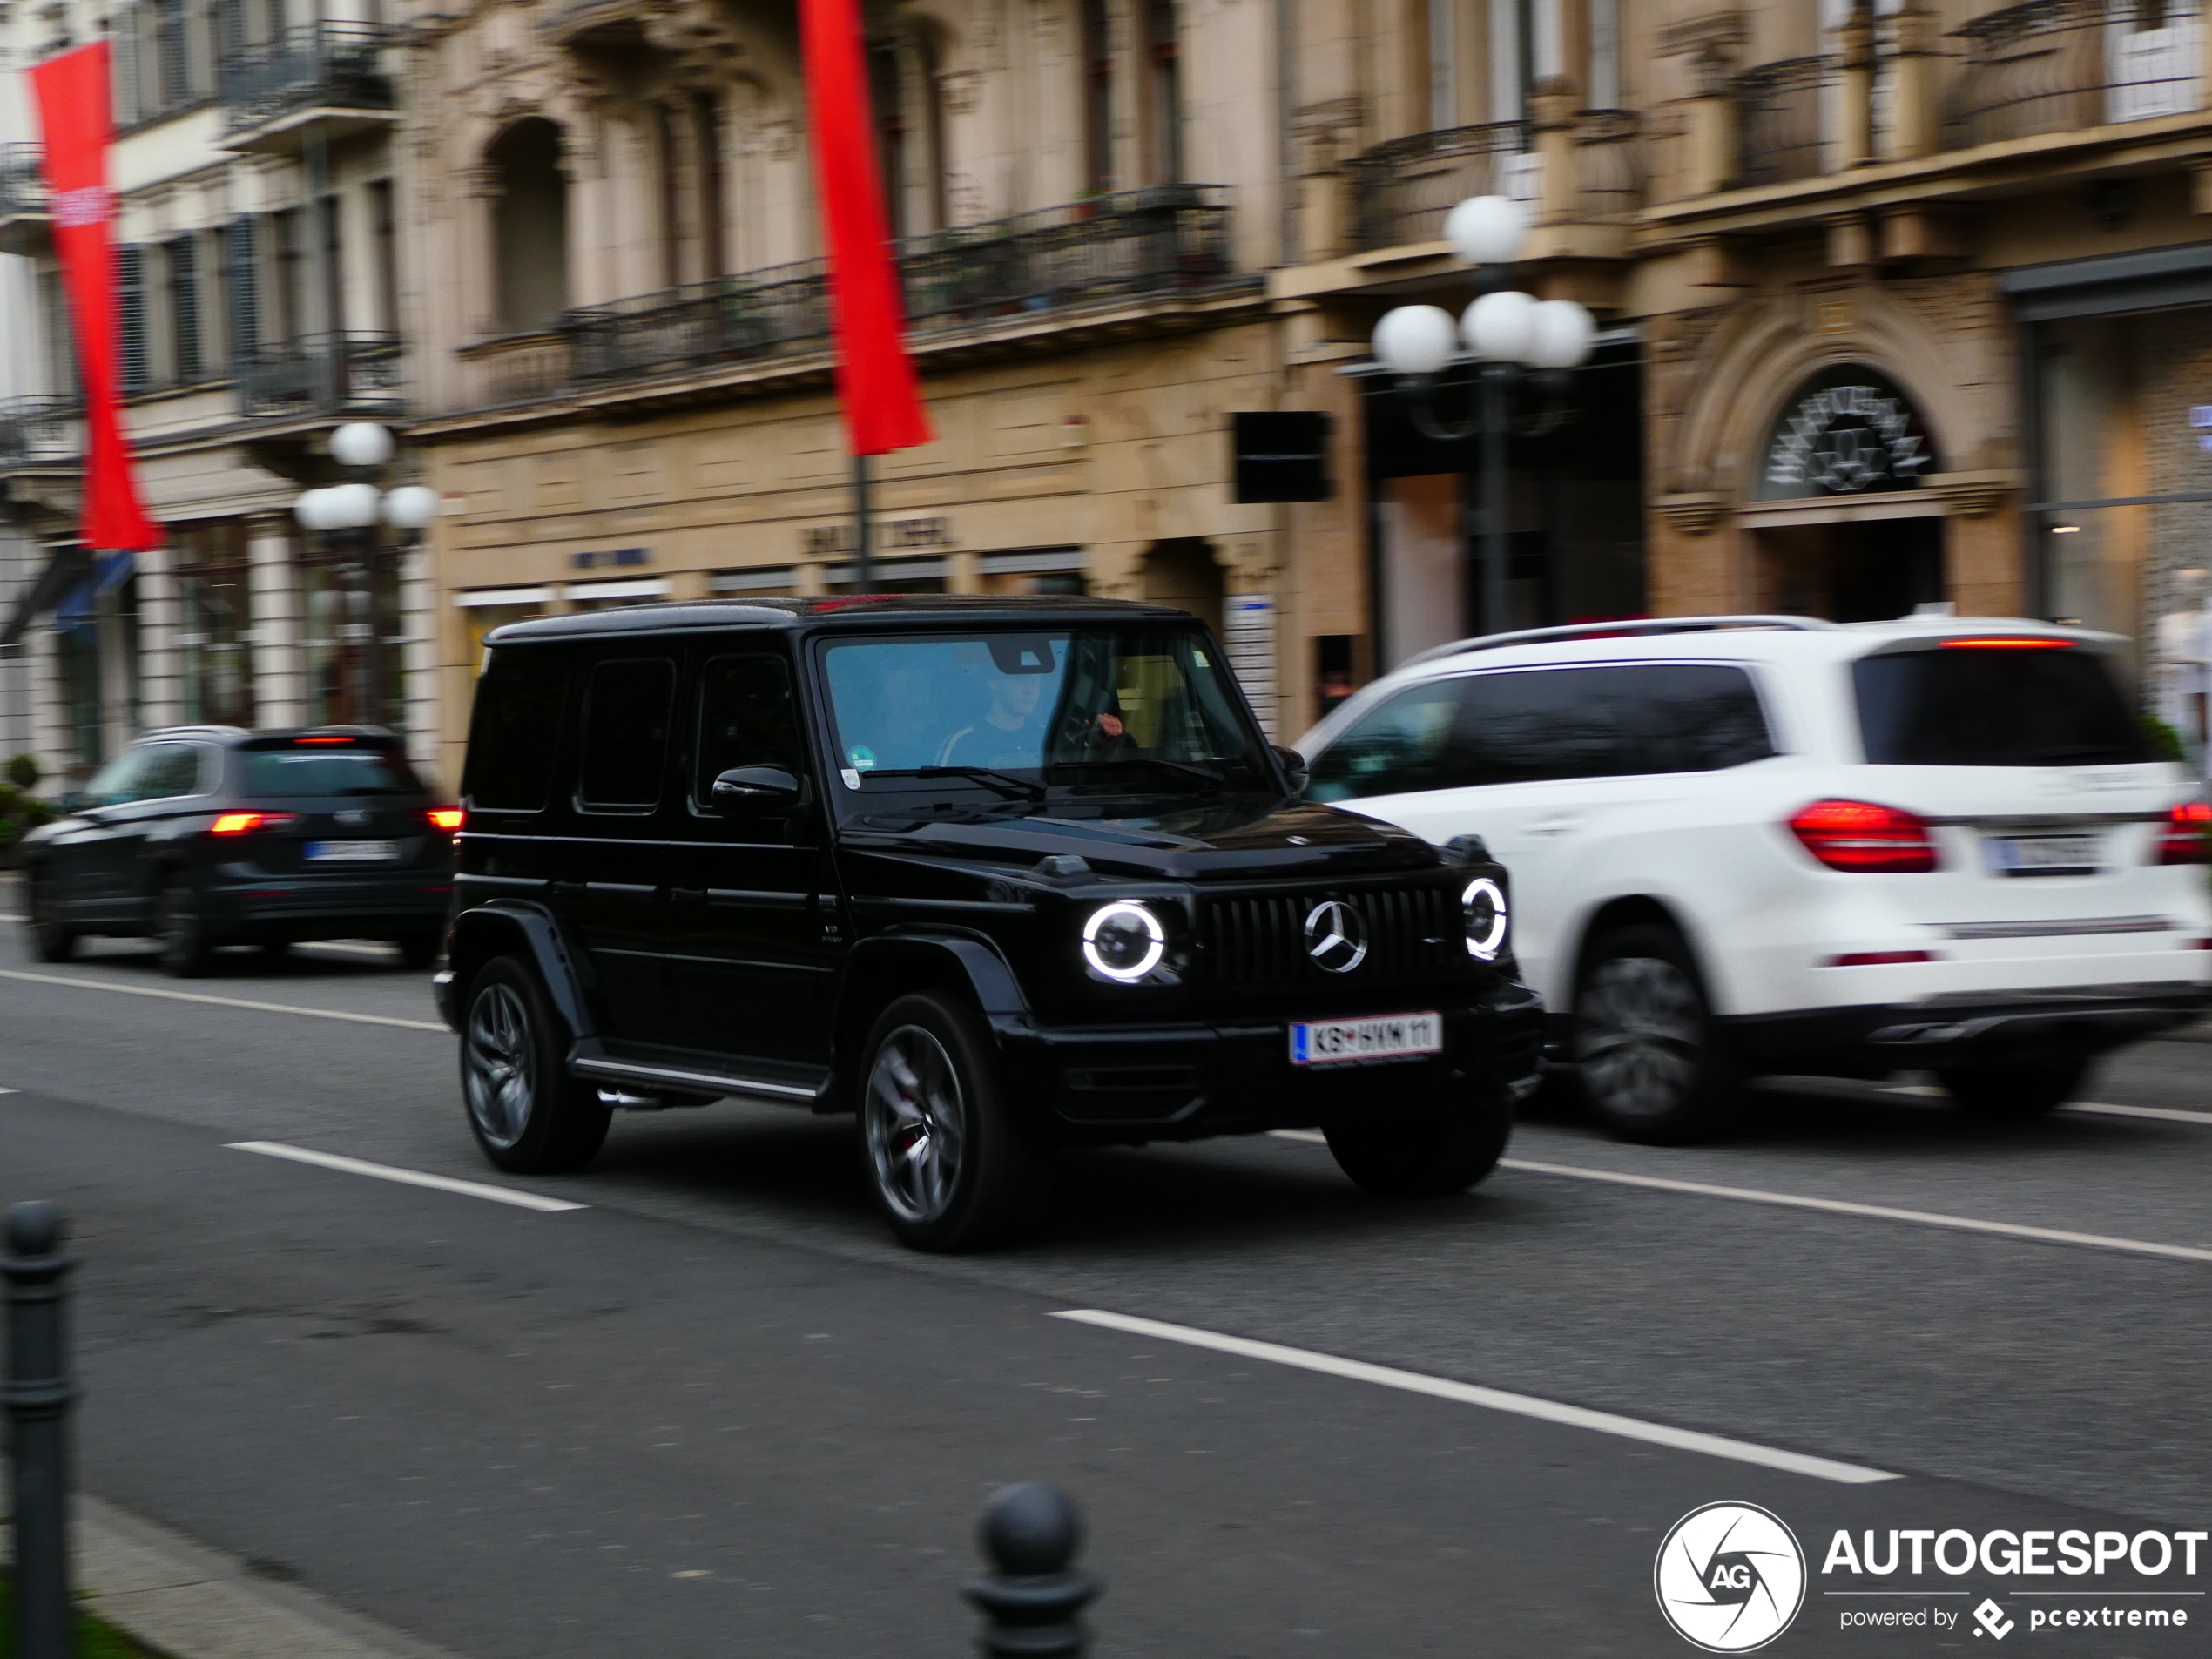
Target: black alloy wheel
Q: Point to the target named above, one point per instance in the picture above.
(948, 1167)
(52, 940)
(187, 951)
(527, 1113)
(1649, 1060)
(2014, 1088)
(1428, 1155)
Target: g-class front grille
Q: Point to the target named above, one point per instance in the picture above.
(1262, 938)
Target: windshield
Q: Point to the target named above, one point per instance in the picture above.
(281, 774)
(1969, 705)
(1015, 715)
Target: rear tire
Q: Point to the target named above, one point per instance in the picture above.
(1648, 1058)
(947, 1164)
(1429, 1155)
(2015, 1089)
(529, 1115)
(187, 951)
(419, 950)
(50, 940)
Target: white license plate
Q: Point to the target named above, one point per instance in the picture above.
(2045, 854)
(352, 852)
(1394, 1036)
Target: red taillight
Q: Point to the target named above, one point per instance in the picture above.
(449, 818)
(242, 823)
(2009, 642)
(1880, 958)
(2182, 840)
(1859, 836)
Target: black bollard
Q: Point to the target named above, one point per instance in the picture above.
(37, 1397)
(1030, 1534)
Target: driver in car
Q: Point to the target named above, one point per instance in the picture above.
(1011, 731)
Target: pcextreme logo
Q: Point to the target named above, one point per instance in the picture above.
(1729, 1578)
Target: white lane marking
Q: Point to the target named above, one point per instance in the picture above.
(7, 1091)
(1549, 1411)
(226, 1002)
(5, 917)
(2163, 1114)
(1299, 1135)
(405, 1177)
(1875, 1211)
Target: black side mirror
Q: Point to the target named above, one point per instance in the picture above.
(749, 791)
(1293, 763)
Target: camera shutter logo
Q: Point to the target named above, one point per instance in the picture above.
(1729, 1577)
(1336, 938)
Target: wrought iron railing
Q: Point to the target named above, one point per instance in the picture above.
(1608, 160)
(1777, 119)
(2060, 66)
(1169, 240)
(334, 64)
(40, 429)
(1403, 189)
(23, 183)
(321, 374)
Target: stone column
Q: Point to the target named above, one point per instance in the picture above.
(1552, 107)
(1712, 122)
(160, 656)
(1852, 42)
(275, 598)
(50, 734)
(480, 252)
(1916, 65)
(1326, 137)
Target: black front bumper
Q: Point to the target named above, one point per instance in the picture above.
(1876, 1040)
(384, 906)
(1185, 1081)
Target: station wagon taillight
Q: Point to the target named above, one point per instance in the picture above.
(2183, 838)
(449, 818)
(1857, 835)
(246, 823)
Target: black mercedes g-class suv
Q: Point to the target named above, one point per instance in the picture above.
(998, 875)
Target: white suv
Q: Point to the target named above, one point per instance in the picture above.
(1764, 844)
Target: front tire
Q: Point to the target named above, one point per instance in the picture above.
(1430, 1154)
(187, 951)
(50, 940)
(1650, 1060)
(948, 1167)
(529, 1115)
(2014, 1090)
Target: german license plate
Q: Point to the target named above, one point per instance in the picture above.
(352, 852)
(1393, 1036)
(2045, 854)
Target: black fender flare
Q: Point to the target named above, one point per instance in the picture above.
(502, 927)
(921, 960)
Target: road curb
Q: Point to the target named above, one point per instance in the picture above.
(189, 1601)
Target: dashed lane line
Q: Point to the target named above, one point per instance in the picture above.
(1496, 1399)
(406, 1177)
(2162, 1114)
(226, 1002)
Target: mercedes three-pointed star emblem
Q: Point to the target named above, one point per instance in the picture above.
(1336, 937)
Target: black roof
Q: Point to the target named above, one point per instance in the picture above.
(861, 611)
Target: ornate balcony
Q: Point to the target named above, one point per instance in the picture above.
(326, 73)
(41, 430)
(1402, 190)
(321, 375)
(25, 222)
(2061, 65)
(1777, 119)
(1084, 256)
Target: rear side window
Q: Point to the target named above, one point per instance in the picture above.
(172, 769)
(625, 734)
(290, 774)
(1990, 707)
(1699, 716)
(512, 737)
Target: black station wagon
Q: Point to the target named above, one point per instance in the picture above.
(999, 876)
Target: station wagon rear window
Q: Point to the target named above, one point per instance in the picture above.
(291, 774)
(1968, 704)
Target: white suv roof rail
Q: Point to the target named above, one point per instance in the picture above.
(1618, 631)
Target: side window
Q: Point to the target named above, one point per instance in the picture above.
(626, 708)
(1701, 717)
(511, 738)
(1536, 726)
(747, 718)
(1404, 744)
(118, 783)
(171, 769)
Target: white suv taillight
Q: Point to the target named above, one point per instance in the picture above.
(1857, 835)
(2182, 840)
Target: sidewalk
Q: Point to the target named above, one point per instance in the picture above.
(192, 1602)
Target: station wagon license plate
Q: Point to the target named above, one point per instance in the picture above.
(1394, 1036)
(2045, 854)
(352, 852)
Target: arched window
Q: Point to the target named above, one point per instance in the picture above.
(1098, 97)
(529, 226)
(1163, 92)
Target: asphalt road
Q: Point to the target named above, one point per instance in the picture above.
(716, 1411)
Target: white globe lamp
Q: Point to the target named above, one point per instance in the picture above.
(1562, 335)
(1488, 230)
(308, 510)
(360, 443)
(1415, 339)
(411, 507)
(1501, 327)
(351, 507)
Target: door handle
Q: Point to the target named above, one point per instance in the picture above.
(1557, 824)
(565, 889)
(687, 895)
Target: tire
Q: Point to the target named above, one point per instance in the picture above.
(49, 940)
(187, 951)
(1648, 1061)
(1431, 1155)
(948, 1167)
(528, 1114)
(2015, 1089)
(419, 950)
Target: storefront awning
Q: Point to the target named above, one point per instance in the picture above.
(2155, 280)
(69, 568)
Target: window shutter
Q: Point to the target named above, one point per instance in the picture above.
(125, 68)
(238, 278)
(130, 265)
(183, 309)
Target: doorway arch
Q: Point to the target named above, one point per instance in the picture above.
(1183, 572)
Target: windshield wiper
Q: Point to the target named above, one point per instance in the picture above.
(1006, 785)
(1188, 769)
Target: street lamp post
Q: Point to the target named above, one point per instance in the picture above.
(1511, 334)
(349, 513)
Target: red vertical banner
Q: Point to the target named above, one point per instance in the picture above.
(875, 377)
(72, 94)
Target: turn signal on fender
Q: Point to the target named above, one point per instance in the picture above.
(449, 818)
(2183, 839)
(241, 823)
(1857, 835)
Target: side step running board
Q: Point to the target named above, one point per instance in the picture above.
(641, 1073)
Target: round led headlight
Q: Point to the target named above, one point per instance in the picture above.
(1483, 905)
(1123, 941)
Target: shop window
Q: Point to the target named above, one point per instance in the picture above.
(352, 647)
(529, 226)
(214, 615)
